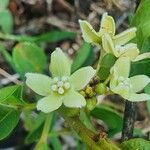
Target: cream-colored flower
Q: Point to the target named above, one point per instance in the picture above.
(126, 86)
(63, 87)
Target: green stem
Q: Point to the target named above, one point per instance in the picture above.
(9, 106)
(20, 107)
(7, 56)
(88, 137)
(107, 80)
(99, 61)
(29, 107)
(45, 133)
(85, 134)
(16, 37)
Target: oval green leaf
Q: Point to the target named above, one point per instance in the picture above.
(8, 120)
(84, 57)
(107, 62)
(28, 57)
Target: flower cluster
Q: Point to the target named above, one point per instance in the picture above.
(63, 87)
(105, 38)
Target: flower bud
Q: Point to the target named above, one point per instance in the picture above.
(89, 91)
(83, 93)
(100, 88)
(91, 103)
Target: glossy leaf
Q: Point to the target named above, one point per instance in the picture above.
(140, 67)
(28, 57)
(7, 92)
(135, 144)
(111, 117)
(84, 57)
(107, 62)
(141, 21)
(8, 120)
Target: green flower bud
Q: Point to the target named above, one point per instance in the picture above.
(100, 88)
(89, 91)
(83, 93)
(91, 103)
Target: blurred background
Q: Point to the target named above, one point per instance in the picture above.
(36, 17)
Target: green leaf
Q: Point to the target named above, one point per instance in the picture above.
(8, 120)
(42, 146)
(143, 33)
(141, 21)
(111, 117)
(142, 14)
(6, 21)
(56, 144)
(28, 57)
(84, 57)
(107, 62)
(51, 37)
(37, 128)
(7, 92)
(140, 67)
(3, 4)
(147, 91)
(85, 118)
(54, 36)
(135, 144)
(6, 55)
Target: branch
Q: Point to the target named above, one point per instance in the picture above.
(128, 120)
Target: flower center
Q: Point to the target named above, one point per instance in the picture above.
(120, 48)
(60, 84)
(124, 83)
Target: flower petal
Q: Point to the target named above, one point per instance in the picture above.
(88, 33)
(130, 50)
(116, 88)
(74, 99)
(124, 37)
(139, 82)
(142, 56)
(139, 97)
(108, 45)
(122, 66)
(59, 65)
(107, 25)
(81, 77)
(49, 103)
(39, 83)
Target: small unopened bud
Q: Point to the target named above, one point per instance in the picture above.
(91, 103)
(89, 91)
(100, 88)
(83, 93)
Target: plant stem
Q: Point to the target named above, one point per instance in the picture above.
(107, 80)
(91, 139)
(16, 37)
(85, 134)
(128, 120)
(45, 133)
